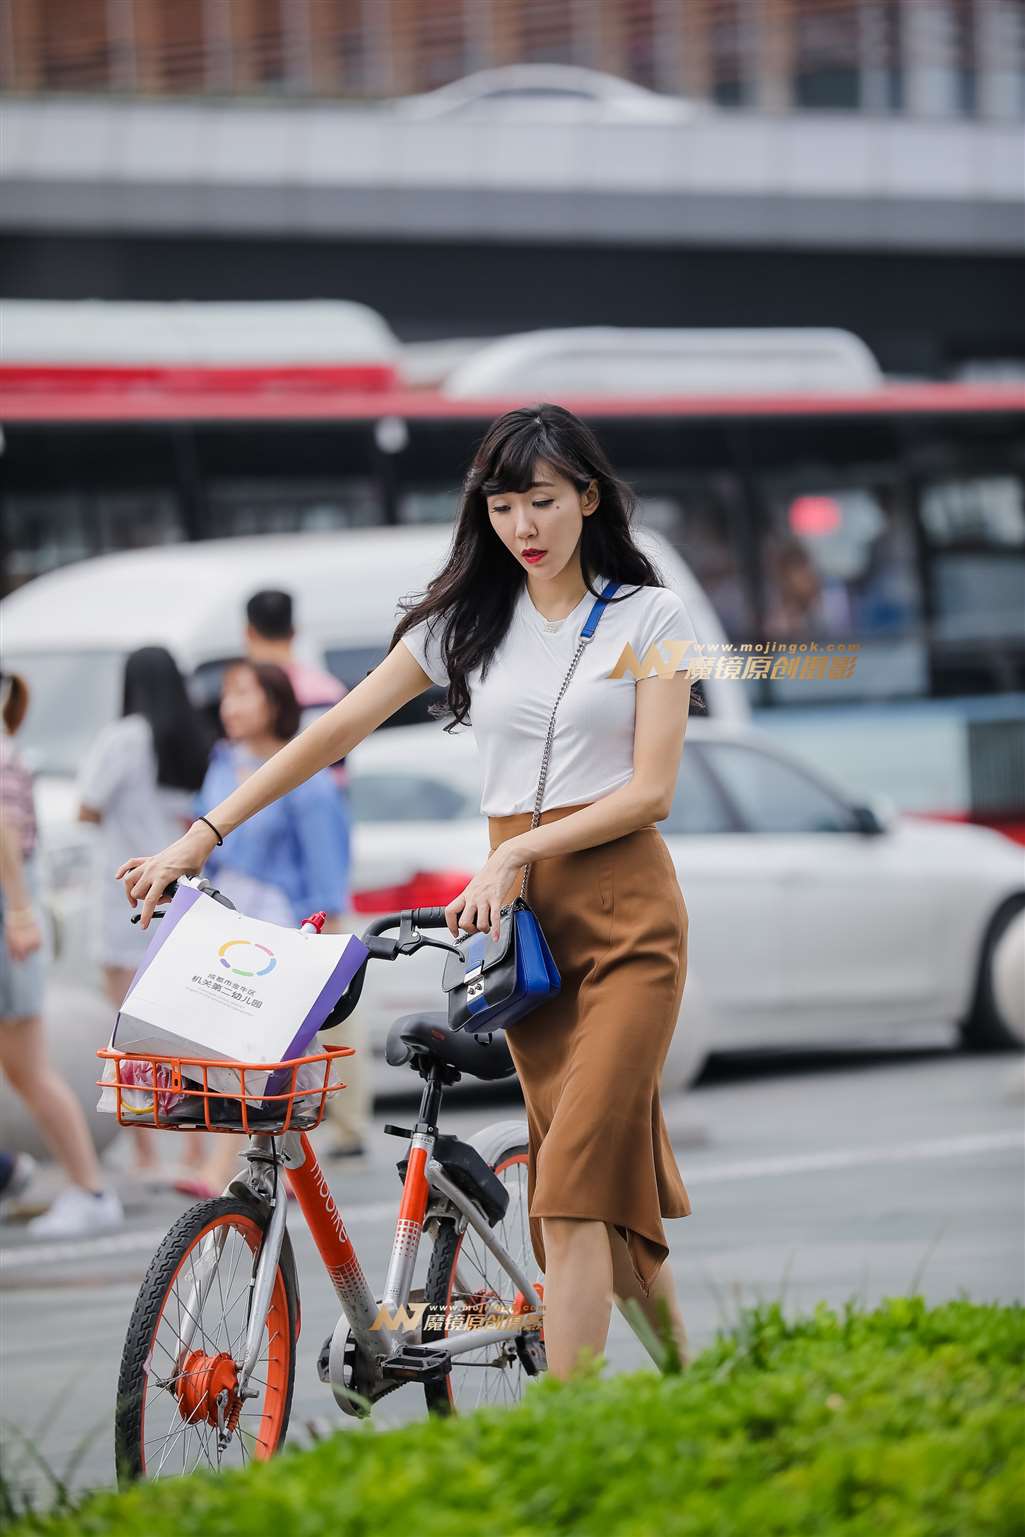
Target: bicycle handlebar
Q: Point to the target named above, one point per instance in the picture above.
(202, 884)
(385, 950)
(429, 918)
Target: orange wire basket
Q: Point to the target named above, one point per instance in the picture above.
(173, 1082)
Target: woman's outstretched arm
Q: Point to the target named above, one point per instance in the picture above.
(393, 683)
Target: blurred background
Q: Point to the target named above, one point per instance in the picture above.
(270, 267)
(802, 220)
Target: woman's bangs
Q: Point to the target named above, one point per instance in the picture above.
(513, 467)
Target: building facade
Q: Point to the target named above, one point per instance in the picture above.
(944, 58)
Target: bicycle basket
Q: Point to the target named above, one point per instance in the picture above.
(180, 1093)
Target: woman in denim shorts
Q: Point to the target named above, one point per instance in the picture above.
(84, 1206)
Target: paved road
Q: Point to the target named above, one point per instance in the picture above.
(811, 1177)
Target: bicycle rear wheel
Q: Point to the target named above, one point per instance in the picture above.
(465, 1277)
(178, 1407)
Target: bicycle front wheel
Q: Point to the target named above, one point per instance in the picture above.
(178, 1404)
(464, 1280)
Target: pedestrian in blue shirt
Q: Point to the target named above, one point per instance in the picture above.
(292, 858)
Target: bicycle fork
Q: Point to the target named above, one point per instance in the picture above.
(294, 1154)
(263, 1184)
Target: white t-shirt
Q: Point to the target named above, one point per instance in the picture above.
(593, 744)
(118, 778)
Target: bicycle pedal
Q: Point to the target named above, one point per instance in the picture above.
(531, 1351)
(417, 1363)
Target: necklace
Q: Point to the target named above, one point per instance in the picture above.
(551, 626)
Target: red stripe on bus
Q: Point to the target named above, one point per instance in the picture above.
(263, 399)
(65, 378)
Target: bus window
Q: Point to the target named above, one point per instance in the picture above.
(974, 529)
(423, 504)
(699, 519)
(50, 528)
(839, 566)
(270, 478)
(272, 506)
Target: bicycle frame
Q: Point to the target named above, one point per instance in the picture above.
(361, 1311)
(363, 1316)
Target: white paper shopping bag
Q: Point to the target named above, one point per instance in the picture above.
(216, 983)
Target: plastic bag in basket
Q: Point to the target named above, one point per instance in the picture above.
(307, 1092)
(138, 1100)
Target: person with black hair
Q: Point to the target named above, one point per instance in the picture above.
(270, 637)
(542, 532)
(292, 859)
(137, 782)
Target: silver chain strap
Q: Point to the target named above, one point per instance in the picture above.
(584, 640)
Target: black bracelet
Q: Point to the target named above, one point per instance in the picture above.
(212, 828)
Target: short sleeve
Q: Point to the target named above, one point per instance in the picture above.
(322, 833)
(669, 620)
(426, 647)
(122, 751)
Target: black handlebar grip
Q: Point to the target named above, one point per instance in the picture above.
(429, 918)
(167, 893)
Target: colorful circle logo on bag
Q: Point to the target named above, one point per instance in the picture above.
(259, 969)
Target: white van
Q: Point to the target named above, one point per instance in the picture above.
(70, 631)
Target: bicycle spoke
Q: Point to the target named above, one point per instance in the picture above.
(179, 1432)
(494, 1373)
(187, 1398)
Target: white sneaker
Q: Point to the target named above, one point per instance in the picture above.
(76, 1211)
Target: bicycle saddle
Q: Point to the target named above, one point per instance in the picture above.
(420, 1035)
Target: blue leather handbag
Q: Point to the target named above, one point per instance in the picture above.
(492, 983)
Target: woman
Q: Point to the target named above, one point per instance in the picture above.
(84, 1205)
(499, 628)
(292, 859)
(138, 782)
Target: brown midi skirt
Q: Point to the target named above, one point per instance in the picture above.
(590, 1059)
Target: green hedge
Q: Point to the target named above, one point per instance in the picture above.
(905, 1421)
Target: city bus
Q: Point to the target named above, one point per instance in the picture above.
(821, 506)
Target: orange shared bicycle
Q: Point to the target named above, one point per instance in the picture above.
(209, 1360)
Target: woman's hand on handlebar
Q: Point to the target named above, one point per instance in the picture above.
(146, 878)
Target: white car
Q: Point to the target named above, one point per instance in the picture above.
(813, 919)
(536, 93)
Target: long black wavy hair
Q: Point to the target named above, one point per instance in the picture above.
(154, 688)
(474, 595)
